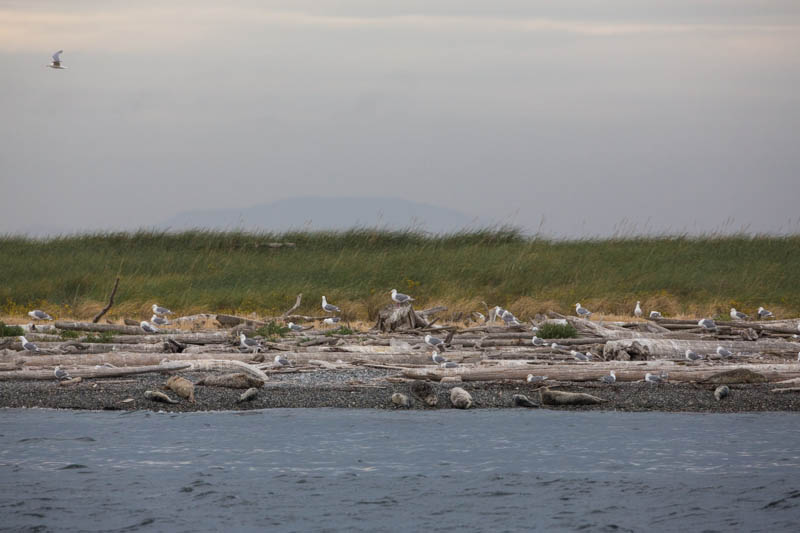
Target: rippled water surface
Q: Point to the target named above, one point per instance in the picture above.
(365, 470)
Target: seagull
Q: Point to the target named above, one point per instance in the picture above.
(400, 298)
(329, 308)
(438, 358)
(762, 313)
(655, 314)
(555, 346)
(610, 378)
(535, 329)
(738, 315)
(29, 346)
(582, 311)
(161, 310)
(450, 364)
(148, 327)
(435, 342)
(590, 355)
(160, 321)
(479, 316)
(36, 314)
(331, 320)
(537, 341)
(535, 379)
(722, 352)
(60, 373)
(56, 63)
(692, 356)
(509, 319)
(250, 344)
(652, 378)
(798, 357)
(281, 360)
(496, 313)
(637, 312)
(295, 327)
(707, 323)
(578, 355)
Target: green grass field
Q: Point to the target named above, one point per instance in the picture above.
(235, 272)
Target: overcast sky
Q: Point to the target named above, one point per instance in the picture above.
(591, 116)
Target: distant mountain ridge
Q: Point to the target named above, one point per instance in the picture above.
(321, 213)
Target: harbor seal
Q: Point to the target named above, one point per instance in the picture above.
(182, 387)
(248, 395)
(157, 396)
(460, 398)
(425, 392)
(401, 400)
(722, 392)
(554, 397)
(520, 400)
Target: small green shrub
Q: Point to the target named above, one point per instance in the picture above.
(549, 330)
(69, 334)
(10, 331)
(272, 329)
(341, 330)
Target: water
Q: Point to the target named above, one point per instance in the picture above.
(369, 470)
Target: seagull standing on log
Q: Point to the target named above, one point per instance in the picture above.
(738, 315)
(400, 298)
(582, 311)
(329, 308)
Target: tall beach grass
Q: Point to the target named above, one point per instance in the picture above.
(197, 271)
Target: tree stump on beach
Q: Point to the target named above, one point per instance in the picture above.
(395, 317)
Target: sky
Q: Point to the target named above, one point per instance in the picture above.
(573, 119)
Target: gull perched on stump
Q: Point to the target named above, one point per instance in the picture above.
(60, 373)
(249, 344)
(435, 342)
(763, 313)
(610, 378)
(37, 314)
(400, 298)
(56, 63)
(28, 346)
(147, 327)
(331, 320)
(738, 315)
(329, 308)
(582, 311)
(161, 310)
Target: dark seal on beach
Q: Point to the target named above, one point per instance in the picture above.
(520, 400)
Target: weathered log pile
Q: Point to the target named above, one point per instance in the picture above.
(756, 351)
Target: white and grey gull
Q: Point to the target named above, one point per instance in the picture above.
(161, 310)
(723, 352)
(159, 320)
(400, 298)
(248, 344)
(38, 314)
(637, 311)
(435, 342)
(738, 315)
(763, 313)
(60, 373)
(56, 62)
(691, 355)
(329, 308)
(655, 314)
(148, 327)
(610, 378)
(582, 311)
(27, 345)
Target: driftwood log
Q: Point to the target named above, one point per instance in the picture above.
(104, 310)
(654, 348)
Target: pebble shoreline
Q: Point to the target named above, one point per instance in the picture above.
(365, 388)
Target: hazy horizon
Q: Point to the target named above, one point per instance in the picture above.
(570, 120)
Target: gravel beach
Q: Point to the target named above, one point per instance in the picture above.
(367, 388)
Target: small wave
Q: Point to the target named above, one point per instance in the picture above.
(73, 466)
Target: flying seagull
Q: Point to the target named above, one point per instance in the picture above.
(161, 310)
(763, 313)
(56, 63)
(535, 379)
(435, 342)
(281, 360)
(610, 378)
(582, 311)
(158, 320)
(722, 352)
(637, 312)
(738, 315)
(692, 356)
(707, 323)
(249, 344)
(36, 314)
(655, 314)
(295, 327)
(60, 373)
(400, 298)
(29, 346)
(148, 327)
(329, 308)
